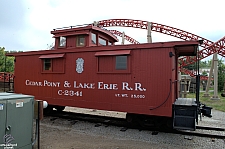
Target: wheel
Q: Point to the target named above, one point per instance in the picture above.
(144, 121)
(131, 120)
(48, 109)
(59, 108)
(168, 125)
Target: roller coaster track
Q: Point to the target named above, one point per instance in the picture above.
(128, 38)
(6, 76)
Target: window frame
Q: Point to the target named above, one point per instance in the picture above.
(59, 41)
(77, 40)
(52, 57)
(118, 62)
(103, 39)
(96, 36)
(44, 65)
(114, 54)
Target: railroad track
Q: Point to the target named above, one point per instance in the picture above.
(207, 135)
(121, 122)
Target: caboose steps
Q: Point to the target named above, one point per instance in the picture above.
(185, 113)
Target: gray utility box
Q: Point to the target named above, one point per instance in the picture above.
(16, 121)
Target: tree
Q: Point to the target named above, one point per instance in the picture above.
(6, 63)
(2, 59)
(202, 64)
(221, 75)
(204, 73)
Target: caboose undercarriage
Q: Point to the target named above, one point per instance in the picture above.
(185, 115)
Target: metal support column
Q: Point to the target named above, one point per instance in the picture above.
(215, 96)
(123, 38)
(149, 36)
(206, 94)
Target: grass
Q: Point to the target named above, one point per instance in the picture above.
(215, 104)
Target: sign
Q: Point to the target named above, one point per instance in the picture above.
(73, 88)
(79, 65)
(1, 106)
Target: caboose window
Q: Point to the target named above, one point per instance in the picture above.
(62, 41)
(93, 38)
(121, 62)
(52, 63)
(80, 41)
(47, 64)
(117, 61)
(102, 41)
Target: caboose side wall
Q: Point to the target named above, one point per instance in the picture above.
(155, 71)
(146, 86)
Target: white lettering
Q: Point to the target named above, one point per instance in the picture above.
(137, 96)
(124, 95)
(84, 85)
(45, 82)
(115, 87)
(117, 95)
(138, 87)
(51, 84)
(59, 92)
(106, 86)
(100, 85)
(92, 85)
(125, 86)
(33, 83)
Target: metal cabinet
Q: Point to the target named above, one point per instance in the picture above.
(16, 120)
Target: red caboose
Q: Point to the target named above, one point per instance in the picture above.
(86, 69)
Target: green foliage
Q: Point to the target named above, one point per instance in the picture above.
(191, 67)
(202, 64)
(221, 75)
(204, 73)
(2, 58)
(6, 63)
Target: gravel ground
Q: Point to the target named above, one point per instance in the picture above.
(64, 134)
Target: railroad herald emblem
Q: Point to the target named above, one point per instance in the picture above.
(8, 138)
(79, 65)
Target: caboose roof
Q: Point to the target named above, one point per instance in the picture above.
(81, 29)
(183, 48)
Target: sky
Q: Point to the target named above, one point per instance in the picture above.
(25, 25)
